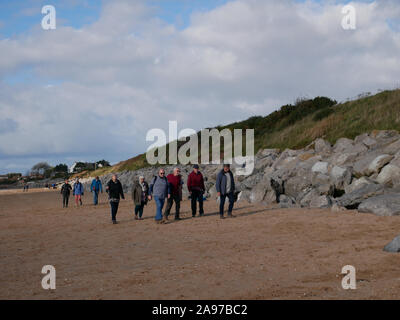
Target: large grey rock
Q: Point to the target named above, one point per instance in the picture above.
(384, 134)
(352, 200)
(321, 202)
(378, 163)
(358, 183)
(342, 144)
(340, 159)
(361, 165)
(382, 205)
(389, 175)
(264, 162)
(341, 177)
(366, 140)
(392, 148)
(307, 196)
(322, 146)
(267, 153)
(320, 167)
(393, 246)
(258, 192)
(320, 179)
(297, 184)
(286, 201)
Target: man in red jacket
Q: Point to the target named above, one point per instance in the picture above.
(175, 182)
(196, 189)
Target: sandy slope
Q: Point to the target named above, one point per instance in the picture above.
(264, 253)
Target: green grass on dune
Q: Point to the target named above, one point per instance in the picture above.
(296, 126)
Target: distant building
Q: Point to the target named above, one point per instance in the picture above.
(72, 168)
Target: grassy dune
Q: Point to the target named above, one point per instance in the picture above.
(295, 126)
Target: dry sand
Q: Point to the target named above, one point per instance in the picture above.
(263, 253)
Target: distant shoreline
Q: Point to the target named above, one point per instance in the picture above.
(20, 190)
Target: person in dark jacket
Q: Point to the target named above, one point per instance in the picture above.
(160, 189)
(195, 184)
(140, 192)
(225, 186)
(66, 191)
(115, 193)
(175, 182)
(78, 192)
(96, 187)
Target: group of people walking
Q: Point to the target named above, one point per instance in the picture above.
(165, 190)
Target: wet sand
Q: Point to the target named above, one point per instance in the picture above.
(264, 253)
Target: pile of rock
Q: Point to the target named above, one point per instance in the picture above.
(362, 174)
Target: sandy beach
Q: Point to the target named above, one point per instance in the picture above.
(264, 253)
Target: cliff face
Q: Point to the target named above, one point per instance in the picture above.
(363, 174)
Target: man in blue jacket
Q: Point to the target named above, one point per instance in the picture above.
(96, 187)
(225, 186)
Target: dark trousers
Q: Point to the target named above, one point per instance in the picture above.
(170, 202)
(139, 209)
(114, 210)
(231, 198)
(65, 200)
(197, 196)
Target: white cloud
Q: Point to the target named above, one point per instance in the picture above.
(100, 88)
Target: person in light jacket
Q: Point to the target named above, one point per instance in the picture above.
(160, 189)
(78, 192)
(140, 192)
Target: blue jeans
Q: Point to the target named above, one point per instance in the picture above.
(231, 198)
(95, 197)
(160, 205)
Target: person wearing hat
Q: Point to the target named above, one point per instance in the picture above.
(195, 184)
(225, 186)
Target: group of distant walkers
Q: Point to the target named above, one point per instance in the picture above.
(163, 189)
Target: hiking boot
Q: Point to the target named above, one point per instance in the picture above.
(114, 222)
(201, 214)
(230, 215)
(136, 218)
(221, 217)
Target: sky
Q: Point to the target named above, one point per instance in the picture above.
(93, 87)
